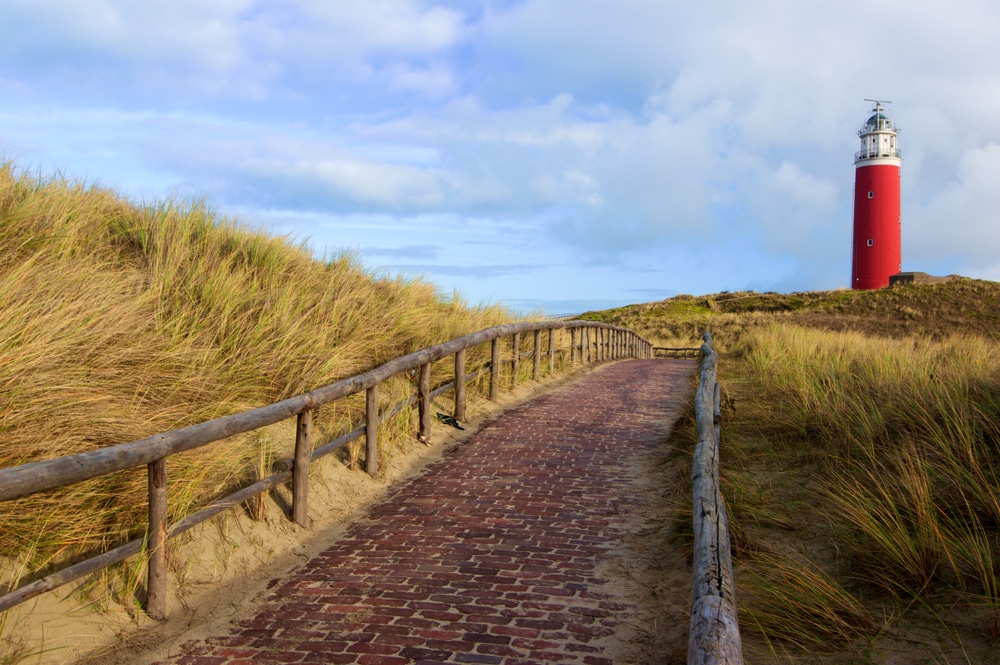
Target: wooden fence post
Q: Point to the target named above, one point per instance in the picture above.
(495, 369)
(516, 344)
(572, 346)
(536, 358)
(371, 430)
(424, 400)
(714, 635)
(156, 540)
(300, 468)
(552, 351)
(459, 413)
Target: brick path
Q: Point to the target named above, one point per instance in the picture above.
(490, 556)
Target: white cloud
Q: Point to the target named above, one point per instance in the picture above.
(227, 48)
(396, 26)
(435, 81)
(961, 223)
(161, 38)
(276, 171)
(785, 207)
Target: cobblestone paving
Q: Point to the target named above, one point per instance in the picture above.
(490, 556)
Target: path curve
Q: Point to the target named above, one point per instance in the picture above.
(490, 556)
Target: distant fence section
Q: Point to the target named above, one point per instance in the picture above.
(589, 342)
(676, 352)
(714, 638)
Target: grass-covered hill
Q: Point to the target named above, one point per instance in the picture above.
(119, 320)
(957, 306)
(861, 466)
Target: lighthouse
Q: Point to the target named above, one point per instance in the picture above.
(877, 220)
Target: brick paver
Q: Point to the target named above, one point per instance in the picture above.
(490, 556)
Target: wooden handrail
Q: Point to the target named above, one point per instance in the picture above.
(714, 638)
(19, 481)
(153, 451)
(676, 352)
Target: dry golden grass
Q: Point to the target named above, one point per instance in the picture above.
(118, 321)
(861, 465)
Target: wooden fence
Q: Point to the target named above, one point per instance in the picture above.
(676, 352)
(715, 630)
(589, 342)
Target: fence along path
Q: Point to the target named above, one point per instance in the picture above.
(493, 555)
(714, 637)
(589, 342)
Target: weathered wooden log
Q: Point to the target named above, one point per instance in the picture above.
(300, 468)
(371, 431)
(339, 442)
(516, 348)
(424, 400)
(70, 574)
(26, 479)
(536, 357)
(459, 412)
(552, 351)
(675, 351)
(156, 541)
(231, 501)
(495, 370)
(714, 634)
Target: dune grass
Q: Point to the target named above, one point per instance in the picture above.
(860, 463)
(863, 478)
(119, 320)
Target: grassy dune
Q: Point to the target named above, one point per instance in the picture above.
(120, 320)
(958, 307)
(861, 465)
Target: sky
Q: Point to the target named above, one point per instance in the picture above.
(550, 155)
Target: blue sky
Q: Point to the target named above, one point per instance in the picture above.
(555, 154)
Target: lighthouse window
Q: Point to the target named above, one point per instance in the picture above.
(870, 242)
(871, 195)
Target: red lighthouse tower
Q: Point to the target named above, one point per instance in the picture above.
(876, 202)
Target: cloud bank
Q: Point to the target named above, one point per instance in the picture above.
(590, 147)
